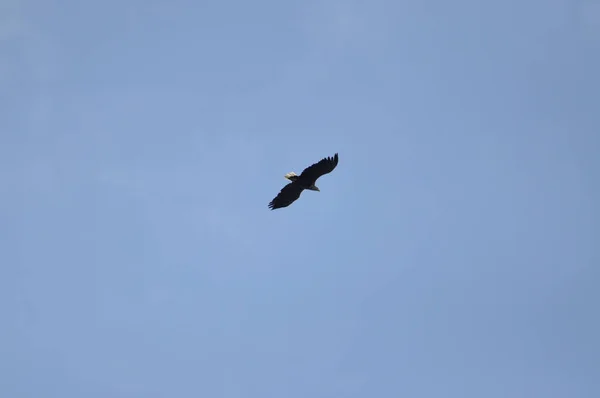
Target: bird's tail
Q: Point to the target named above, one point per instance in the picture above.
(291, 176)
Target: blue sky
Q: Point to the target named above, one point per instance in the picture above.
(454, 252)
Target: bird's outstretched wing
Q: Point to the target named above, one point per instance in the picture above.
(323, 166)
(286, 196)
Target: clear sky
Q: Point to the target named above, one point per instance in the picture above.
(454, 252)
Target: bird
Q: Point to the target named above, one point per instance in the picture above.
(306, 180)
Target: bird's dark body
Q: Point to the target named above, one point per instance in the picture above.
(306, 180)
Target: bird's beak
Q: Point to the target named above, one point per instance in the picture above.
(317, 188)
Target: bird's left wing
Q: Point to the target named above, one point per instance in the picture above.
(286, 196)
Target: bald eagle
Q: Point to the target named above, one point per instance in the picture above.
(306, 180)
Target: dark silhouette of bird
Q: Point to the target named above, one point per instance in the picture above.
(306, 180)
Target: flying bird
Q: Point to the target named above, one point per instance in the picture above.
(306, 180)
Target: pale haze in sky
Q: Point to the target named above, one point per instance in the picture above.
(454, 252)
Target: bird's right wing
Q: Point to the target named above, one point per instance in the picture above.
(323, 166)
(286, 196)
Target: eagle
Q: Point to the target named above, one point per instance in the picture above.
(306, 180)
